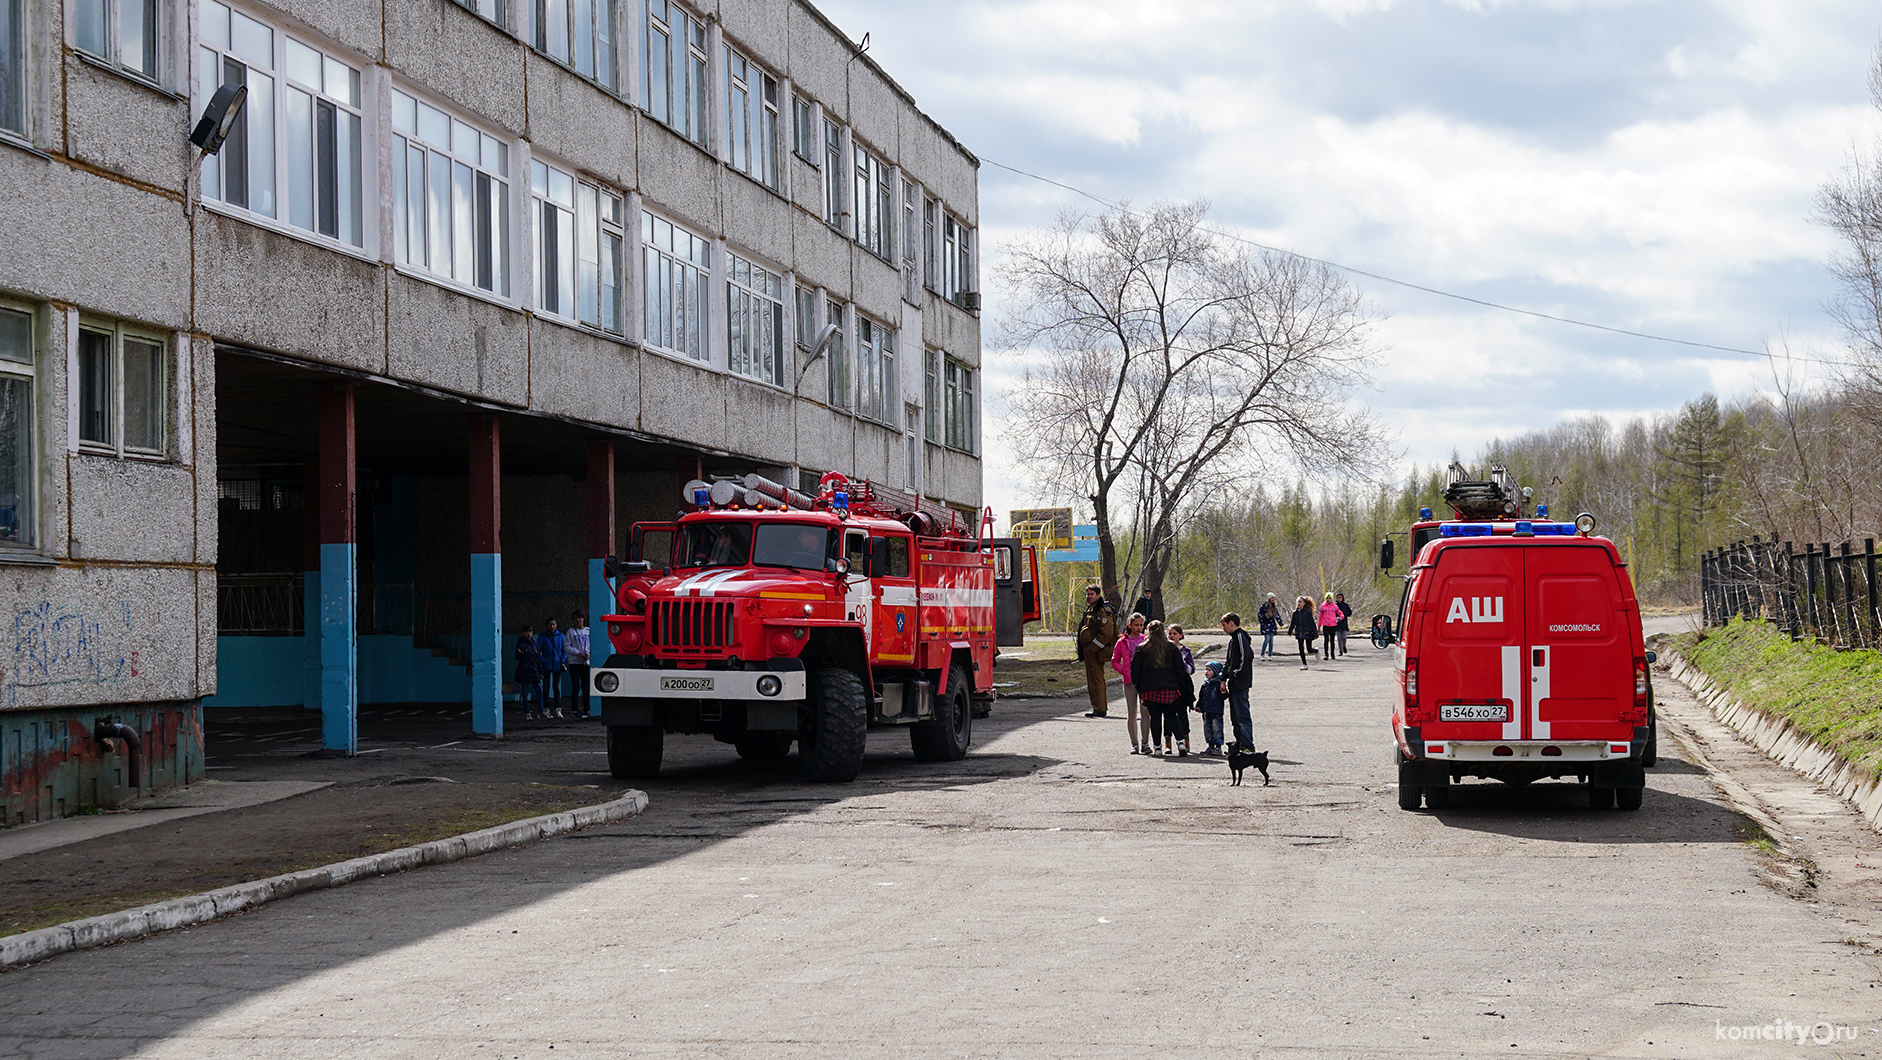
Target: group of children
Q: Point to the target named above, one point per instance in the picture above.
(547, 664)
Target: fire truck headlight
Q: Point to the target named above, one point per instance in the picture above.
(770, 685)
(1584, 523)
(606, 682)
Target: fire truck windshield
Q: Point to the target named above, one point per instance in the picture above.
(804, 546)
(721, 544)
(799, 545)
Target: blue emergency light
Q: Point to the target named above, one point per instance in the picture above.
(1424, 513)
(702, 497)
(1542, 511)
(840, 500)
(1465, 530)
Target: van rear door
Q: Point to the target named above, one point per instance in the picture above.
(1580, 649)
(1470, 661)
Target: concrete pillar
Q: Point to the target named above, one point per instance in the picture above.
(339, 588)
(486, 575)
(600, 547)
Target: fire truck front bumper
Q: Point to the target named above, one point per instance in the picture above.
(764, 686)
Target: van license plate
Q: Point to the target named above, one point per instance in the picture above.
(686, 684)
(1473, 712)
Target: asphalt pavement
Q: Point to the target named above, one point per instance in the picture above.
(1051, 895)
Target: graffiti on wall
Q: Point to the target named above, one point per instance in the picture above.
(61, 645)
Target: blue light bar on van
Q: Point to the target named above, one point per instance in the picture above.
(1465, 530)
(1523, 526)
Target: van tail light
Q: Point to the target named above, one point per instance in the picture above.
(1642, 692)
(1415, 714)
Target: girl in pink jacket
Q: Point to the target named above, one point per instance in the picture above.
(1127, 644)
(1330, 616)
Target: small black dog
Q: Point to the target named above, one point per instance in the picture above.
(1241, 758)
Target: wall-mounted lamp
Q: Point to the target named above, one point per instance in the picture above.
(210, 132)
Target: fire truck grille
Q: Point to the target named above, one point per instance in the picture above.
(695, 625)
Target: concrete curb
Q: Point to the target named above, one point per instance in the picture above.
(30, 946)
(1784, 742)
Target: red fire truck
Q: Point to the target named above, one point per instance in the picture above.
(1520, 653)
(766, 617)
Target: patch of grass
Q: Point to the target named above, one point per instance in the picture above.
(1835, 697)
(1754, 836)
(63, 910)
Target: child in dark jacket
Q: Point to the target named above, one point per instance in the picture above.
(528, 675)
(1210, 699)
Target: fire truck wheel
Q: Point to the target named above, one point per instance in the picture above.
(946, 738)
(1628, 798)
(1409, 794)
(1600, 798)
(764, 747)
(634, 751)
(835, 728)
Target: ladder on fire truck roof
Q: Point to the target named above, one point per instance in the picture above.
(1494, 497)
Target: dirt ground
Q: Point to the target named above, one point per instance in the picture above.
(198, 854)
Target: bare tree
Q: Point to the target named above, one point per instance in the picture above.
(1850, 204)
(1165, 364)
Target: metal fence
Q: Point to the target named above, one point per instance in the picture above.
(259, 605)
(1824, 592)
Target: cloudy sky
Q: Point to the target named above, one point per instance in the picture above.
(1644, 164)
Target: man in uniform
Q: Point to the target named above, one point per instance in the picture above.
(1097, 631)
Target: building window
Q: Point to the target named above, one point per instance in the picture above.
(578, 33)
(123, 391)
(317, 163)
(675, 265)
(911, 418)
(832, 174)
(875, 198)
(803, 129)
(676, 86)
(451, 197)
(16, 426)
(961, 409)
(931, 395)
(755, 326)
(911, 236)
(930, 243)
(13, 65)
(839, 359)
(121, 32)
(956, 259)
(807, 326)
(494, 10)
(751, 117)
(875, 371)
(578, 248)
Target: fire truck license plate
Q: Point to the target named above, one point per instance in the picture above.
(686, 684)
(1473, 712)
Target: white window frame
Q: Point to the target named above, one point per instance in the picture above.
(833, 192)
(933, 415)
(583, 247)
(25, 527)
(602, 21)
(931, 244)
(496, 12)
(962, 425)
(491, 165)
(751, 129)
(116, 334)
(682, 101)
(345, 90)
(875, 203)
(875, 371)
(15, 102)
(956, 258)
(804, 130)
(110, 25)
(676, 288)
(754, 330)
(841, 391)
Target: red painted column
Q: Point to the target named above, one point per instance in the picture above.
(339, 590)
(486, 559)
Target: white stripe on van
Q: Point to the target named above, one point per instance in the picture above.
(1539, 691)
(1513, 690)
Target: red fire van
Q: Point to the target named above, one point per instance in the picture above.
(1521, 657)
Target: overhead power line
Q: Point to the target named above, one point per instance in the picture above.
(1518, 310)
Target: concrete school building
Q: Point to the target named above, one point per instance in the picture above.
(325, 417)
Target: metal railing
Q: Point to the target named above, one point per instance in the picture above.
(1829, 594)
(259, 605)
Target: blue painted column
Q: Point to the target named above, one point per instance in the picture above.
(600, 547)
(486, 575)
(339, 572)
